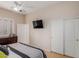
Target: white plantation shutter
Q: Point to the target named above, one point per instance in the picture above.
(5, 27)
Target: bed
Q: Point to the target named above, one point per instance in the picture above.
(21, 50)
(10, 48)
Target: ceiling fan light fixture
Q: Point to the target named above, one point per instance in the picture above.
(16, 9)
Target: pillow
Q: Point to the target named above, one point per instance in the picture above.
(2, 55)
(4, 49)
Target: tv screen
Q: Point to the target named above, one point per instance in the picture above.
(38, 24)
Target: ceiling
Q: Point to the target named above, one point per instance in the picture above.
(25, 7)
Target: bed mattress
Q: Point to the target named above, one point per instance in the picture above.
(25, 51)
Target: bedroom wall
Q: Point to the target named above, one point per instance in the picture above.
(18, 18)
(42, 37)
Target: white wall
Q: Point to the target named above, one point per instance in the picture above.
(42, 37)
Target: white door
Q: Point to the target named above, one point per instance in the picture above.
(57, 36)
(72, 37)
(69, 35)
(77, 37)
(23, 33)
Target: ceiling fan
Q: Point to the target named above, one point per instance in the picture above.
(18, 6)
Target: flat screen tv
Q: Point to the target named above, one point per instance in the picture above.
(38, 24)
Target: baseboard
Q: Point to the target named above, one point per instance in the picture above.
(57, 53)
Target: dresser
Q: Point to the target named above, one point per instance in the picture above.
(8, 40)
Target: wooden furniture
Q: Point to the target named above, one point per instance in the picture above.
(8, 40)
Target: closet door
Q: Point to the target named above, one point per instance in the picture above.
(69, 35)
(77, 37)
(23, 33)
(57, 36)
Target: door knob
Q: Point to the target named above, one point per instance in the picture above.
(77, 39)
